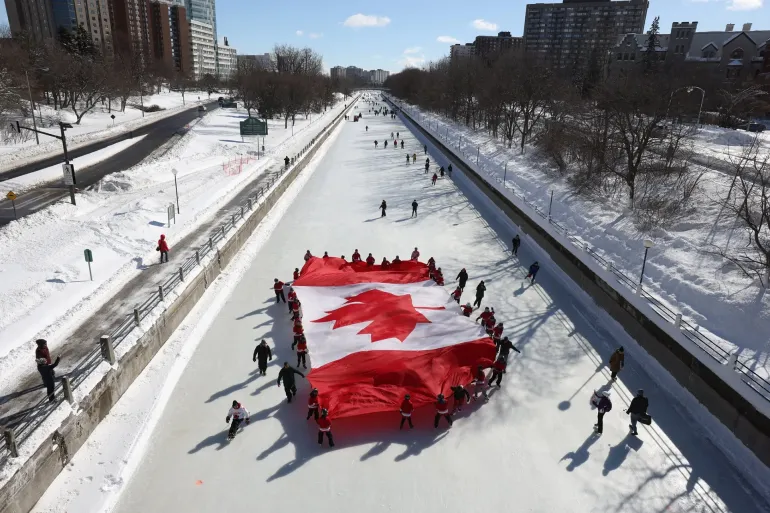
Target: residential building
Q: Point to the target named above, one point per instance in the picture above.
(34, 17)
(130, 26)
(488, 47)
(64, 15)
(580, 33)
(204, 50)
(169, 36)
(337, 72)
(355, 72)
(726, 54)
(227, 59)
(379, 76)
(265, 61)
(95, 17)
(460, 51)
(204, 12)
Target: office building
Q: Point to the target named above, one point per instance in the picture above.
(227, 59)
(580, 33)
(204, 49)
(169, 37)
(488, 47)
(727, 54)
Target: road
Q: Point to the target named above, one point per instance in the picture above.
(535, 435)
(157, 134)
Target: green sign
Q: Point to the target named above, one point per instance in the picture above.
(253, 126)
(89, 256)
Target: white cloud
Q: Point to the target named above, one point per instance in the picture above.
(411, 61)
(744, 5)
(366, 20)
(484, 25)
(299, 32)
(448, 39)
(414, 49)
(315, 35)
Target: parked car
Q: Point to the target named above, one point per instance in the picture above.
(228, 104)
(756, 127)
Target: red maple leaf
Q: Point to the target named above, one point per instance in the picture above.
(388, 315)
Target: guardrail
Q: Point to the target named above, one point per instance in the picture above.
(711, 348)
(22, 428)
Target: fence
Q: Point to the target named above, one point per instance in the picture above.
(711, 348)
(23, 424)
(234, 166)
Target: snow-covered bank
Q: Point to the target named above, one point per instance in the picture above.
(683, 270)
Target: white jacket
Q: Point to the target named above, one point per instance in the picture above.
(240, 413)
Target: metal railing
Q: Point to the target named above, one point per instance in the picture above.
(32, 418)
(711, 348)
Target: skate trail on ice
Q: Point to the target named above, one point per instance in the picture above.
(531, 448)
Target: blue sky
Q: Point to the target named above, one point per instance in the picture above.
(401, 32)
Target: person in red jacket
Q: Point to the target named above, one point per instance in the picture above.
(406, 411)
(163, 248)
(480, 383)
(385, 264)
(431, 264)
(296, 273)
(312, 404)
(278, 289)
(415, 255)
(456, 295)
(298, 332)
(467, 309)
(489, 326)
(497, 333)
(433, 179)
(292, 299)
(442, 408)
(486, 314)
(438, 277)
(302, 351)
(370, 260)
(325, 426)
(356, 256)
(296, 314)
(498, 369)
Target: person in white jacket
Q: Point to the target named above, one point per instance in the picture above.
(238, 414)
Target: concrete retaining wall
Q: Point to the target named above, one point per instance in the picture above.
(26, 487)
(748, 424)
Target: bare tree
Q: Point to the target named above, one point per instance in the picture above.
(85, 84)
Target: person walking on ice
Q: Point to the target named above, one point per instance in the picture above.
(533, 269)
(415, 255)
(617, 362)
(325, 427)
(442, 409)
(278, 289)
(375, 143)
(312, 404)
(603, 405)
(407, 159)
(515, 243)
(163, 248)
(287, 376)
(414, 158)
(462, 277)
(427, 165)
(262, 354)
(383, 207)
(433, 179)
(414, 208)
(480, 289)
(238, 414)
(637, 409)
(406, 412)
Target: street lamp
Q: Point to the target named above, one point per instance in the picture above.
(689, 89)
(176, 188)
(647, 245)
(32, 105)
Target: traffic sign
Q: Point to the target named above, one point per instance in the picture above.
(89, 256)
(68, 170)
(11, 196)
(253, 126)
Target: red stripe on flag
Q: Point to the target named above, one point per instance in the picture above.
(336, 272)
(377, 381)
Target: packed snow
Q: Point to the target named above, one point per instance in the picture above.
(682, 270)
(47, 290)
(535, 434)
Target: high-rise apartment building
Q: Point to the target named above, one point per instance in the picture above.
(130, 26)
(227, 59)
(460, 51)
(264, 60)
(580, 33)
(32, 16)
(204, 49)
(95, 16)
(337, 72)
(205, 12)
(487, 47)
(169, 36)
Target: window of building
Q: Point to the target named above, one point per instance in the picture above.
(709, 53)
(737, 54)
(620, 56)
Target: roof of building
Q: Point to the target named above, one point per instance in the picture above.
(701, 40)
(641, 41)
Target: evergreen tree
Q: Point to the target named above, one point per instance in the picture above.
(653, 44)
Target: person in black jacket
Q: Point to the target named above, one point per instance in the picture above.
(262, 353)
(480, 289)
(636, 409)
(515, 243)
(48, 374)
(460, 394)
(383, 207)
(414, 204)
(462, 277)
(287, 376)
(505, 348)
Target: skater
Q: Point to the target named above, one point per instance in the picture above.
(414, 158)
(617, 362)
(386, 144)
(367, 126)
(637, 409)
(402, 144)
(441, 171)
(398, 135)
(375, 144)
(425, 148)
(533, 269)
(308, 256)
(505, 348)
(515, 243)
(325, 426)
(480, 383)
(370, 260)
(163, 248)
(427, 166)
(456, 295)
(460, 395)
(415, 255)
(603, 406)
(286, 161)
(480, 288)
(238, 414)
(299, 332)
(391, 135)
(498, 369)
(262, 354)
(406, 412)
(395, 145)
(296, 273)
(467, 309)
(449, 170)
(414, 208)
(433, 179)
(278, 289)
(356, 256)
(46, 368)
(286, 375)
(383, 207)
(407, 159)
(312, 404)
(442, 409)
(462, 277)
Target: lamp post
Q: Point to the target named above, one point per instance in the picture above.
(689, 89)
(32, 106)
(176, 188)
(647, 245)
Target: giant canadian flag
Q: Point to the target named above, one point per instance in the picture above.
(377, 334)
